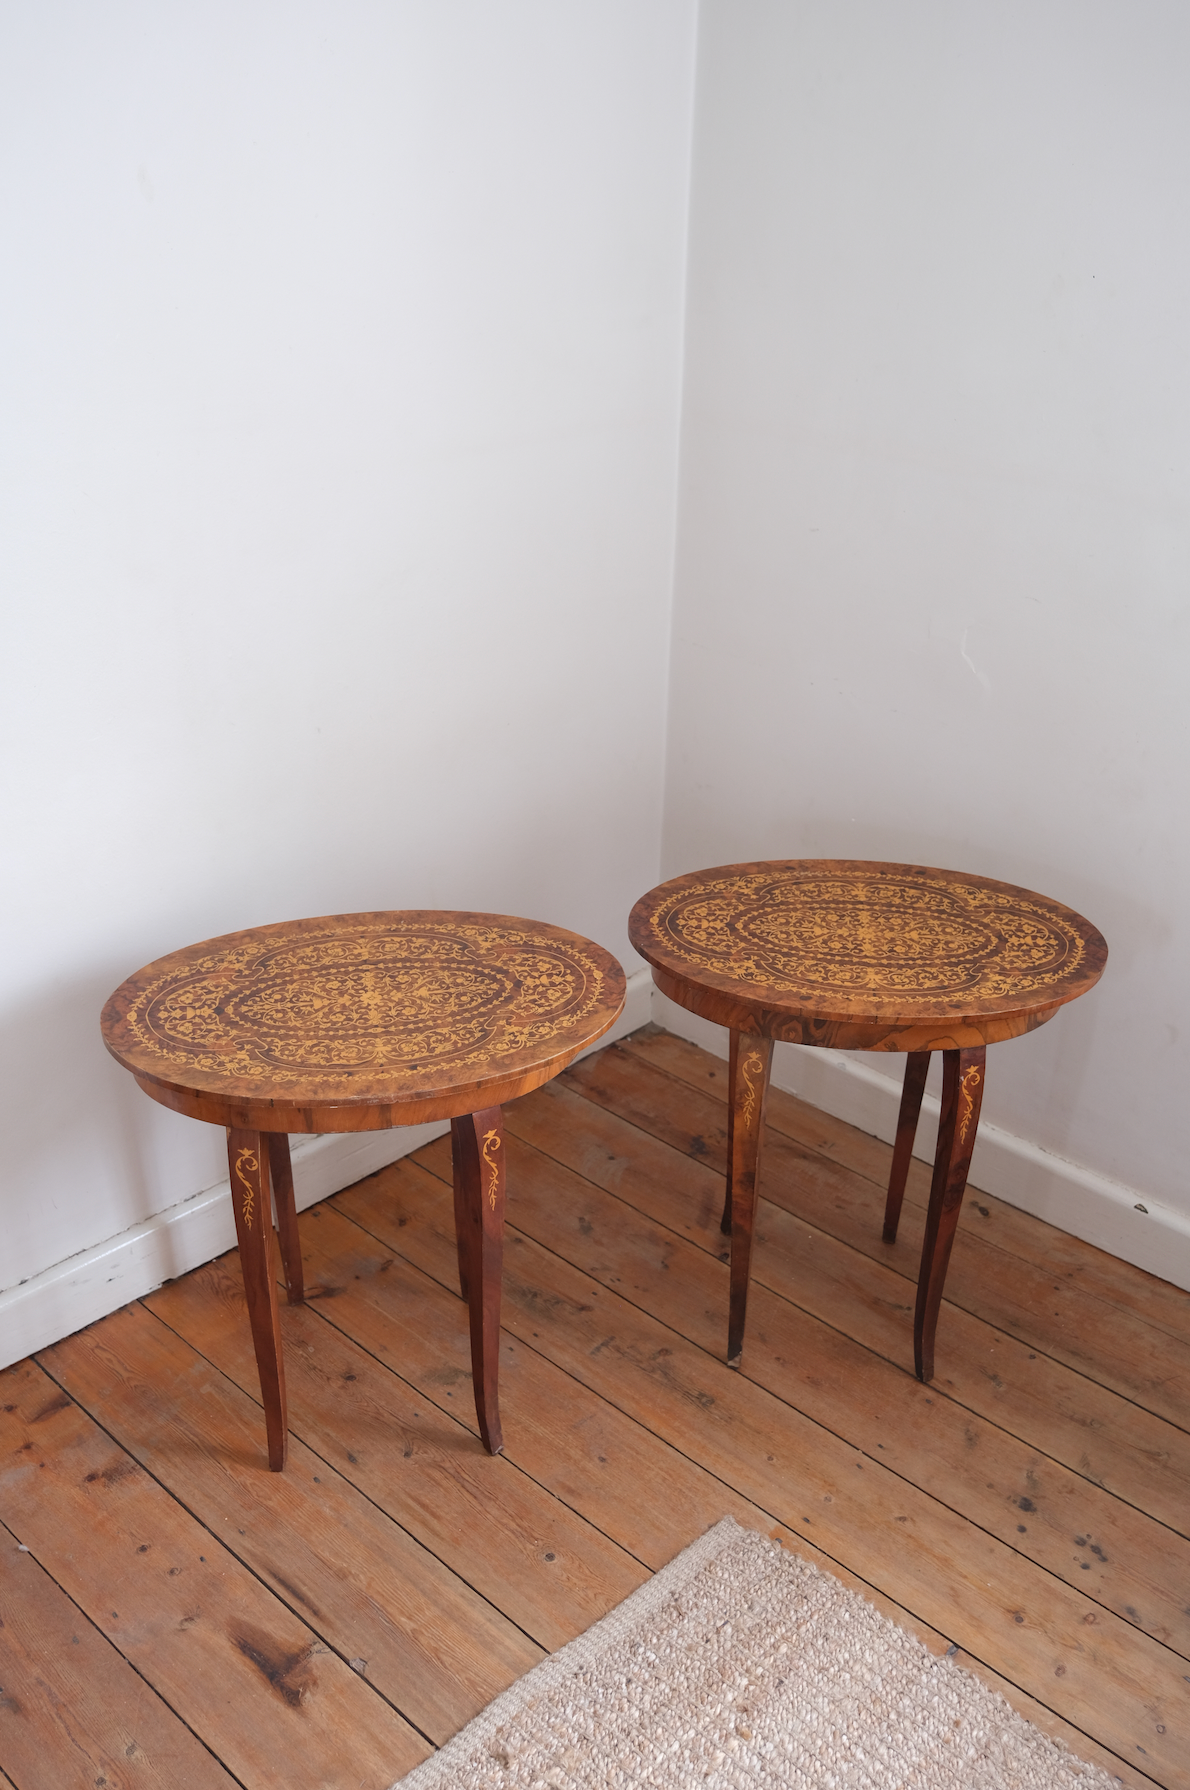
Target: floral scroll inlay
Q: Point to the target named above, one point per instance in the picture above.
(388, 997)
(247, 1159)
(751, 1067)
(820, 933)
(967, 1087)
(491, 1143)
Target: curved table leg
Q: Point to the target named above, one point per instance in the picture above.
(751, 1061)
(480, 1178)
(962, 1095)
(917, 1065)
(733, 1057)
(247, 1160)
(281, 1175)
(462, 1226)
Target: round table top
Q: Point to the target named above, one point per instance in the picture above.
(357, 1022)
(864, 956)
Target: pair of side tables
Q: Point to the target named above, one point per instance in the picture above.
(362, 1022)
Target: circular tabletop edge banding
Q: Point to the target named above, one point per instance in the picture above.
(864, 955)
(361, 1021)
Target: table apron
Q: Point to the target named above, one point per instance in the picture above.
(944, 1032)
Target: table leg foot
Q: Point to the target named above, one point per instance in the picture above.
(962, 1096)
(751, 1061)
(917, 1065)
(247, 1158)
(281, 1174)
(480, 1182)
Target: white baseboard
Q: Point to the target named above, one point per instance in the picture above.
(1123, 1220)
(87, 1286)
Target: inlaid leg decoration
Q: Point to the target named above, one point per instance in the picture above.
(751, 1060)
(281, 1175)
(917, 1065)
(962, 1095)
(247, 1158)
(480, 1179)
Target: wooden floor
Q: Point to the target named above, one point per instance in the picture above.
(174, 1615)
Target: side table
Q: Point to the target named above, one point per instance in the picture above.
(360, 1022)
(851, 955)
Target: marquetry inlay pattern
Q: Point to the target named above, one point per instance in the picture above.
(857, 938)
(343, 1007)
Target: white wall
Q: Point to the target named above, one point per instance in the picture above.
(338, 411)
(339, 403)
(933, 584)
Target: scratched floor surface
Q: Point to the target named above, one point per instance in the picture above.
(172, 1614)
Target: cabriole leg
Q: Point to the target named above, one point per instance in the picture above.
(751, 1060)
(247, 1159)
(480, 1180)
(917, 1065)
(962, 1095)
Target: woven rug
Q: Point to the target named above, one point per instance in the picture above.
(741, 1665)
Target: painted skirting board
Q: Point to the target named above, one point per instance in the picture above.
(99, 1280)
(1124, 1220)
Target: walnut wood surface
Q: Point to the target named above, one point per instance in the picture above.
(751, 1063)
(861, 956)
(248, 1172)
(917, 1067)
(962, 1096)
(281, 1175)
(478, 1162)
(864, 956)
(358, 1022)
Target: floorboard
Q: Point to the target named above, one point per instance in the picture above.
(69, 1696)
(1040, 1507)
(211, 1640)
(1070, 1414)
(172, 1613)
(369, 1591)
(1060, 1310)
(812, 1480)
(1159, 1302)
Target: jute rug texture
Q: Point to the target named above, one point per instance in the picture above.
(741, 1667)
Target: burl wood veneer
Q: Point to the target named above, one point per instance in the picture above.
(850, 955)
(360, 1022)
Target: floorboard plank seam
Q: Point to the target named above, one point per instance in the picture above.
(842, 1242)
(230, 1551)
(838, 1435)
(466, 1427)
(338, 1471)
(148, 1684)
(878, 1184)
